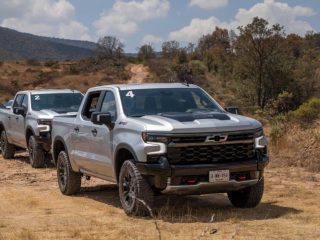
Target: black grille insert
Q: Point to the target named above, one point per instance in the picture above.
(211, 153)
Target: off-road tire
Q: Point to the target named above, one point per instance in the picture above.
(7, 149)
(139, 192)
(249, 197)
(36, 153)
(69, 181)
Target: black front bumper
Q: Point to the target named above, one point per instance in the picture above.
(44, 139)
(169, 178)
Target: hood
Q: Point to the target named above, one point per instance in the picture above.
(197, 123)
(48, 114)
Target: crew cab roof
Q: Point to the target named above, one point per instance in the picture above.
(135, 86)
(48, 91)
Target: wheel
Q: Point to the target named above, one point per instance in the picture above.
(36, 153)
(135, 193)
(7, 149)
(68, 180)
(249, 197)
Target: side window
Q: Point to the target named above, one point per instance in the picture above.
(24, 103)
(91, 105)
(18, 100)
(109, 105)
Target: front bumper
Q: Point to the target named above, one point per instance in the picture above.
(44, 139)
(169, 178)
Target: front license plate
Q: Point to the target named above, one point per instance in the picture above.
(219, 176)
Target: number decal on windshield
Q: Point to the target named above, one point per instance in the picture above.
(130, 94)
(37, 97)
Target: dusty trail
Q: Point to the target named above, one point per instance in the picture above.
(139, 73)
(31, 207)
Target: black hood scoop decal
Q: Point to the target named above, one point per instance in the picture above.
(190, 117)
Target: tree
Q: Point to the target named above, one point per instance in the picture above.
(109, 47)
(146, 52)
(263, 61)
(170, 49)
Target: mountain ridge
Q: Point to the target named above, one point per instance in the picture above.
(15, 45)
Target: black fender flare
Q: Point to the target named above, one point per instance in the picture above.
(27, 129)
(118, 148)
(56, 139)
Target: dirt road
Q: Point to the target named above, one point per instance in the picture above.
(31, 207)
(139, 73)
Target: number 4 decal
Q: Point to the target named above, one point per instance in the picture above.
(130, 94)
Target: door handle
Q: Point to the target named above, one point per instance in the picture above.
(17, 118)
(94, 131)
(76, 129)
(9, 117)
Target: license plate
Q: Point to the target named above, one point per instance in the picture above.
(219, 176)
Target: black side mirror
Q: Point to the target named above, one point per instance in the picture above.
(19, 111)
(102, 119)
(234, 110)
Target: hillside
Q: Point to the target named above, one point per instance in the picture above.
(16, 45)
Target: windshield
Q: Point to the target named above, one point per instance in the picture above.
(57, 102)
(140, 102)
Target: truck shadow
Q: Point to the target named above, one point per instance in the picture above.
(25, 159)
(190, 209)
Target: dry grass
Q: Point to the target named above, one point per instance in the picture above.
(31, 207)
(298, 148)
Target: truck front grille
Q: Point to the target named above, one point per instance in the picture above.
(221, 153)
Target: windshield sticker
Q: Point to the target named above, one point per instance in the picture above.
(37, 97)
(130, 94)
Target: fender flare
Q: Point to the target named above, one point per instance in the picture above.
(118, 148)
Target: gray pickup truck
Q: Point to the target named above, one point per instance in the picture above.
(160, 139)
(27, 124)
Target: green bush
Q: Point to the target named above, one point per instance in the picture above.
(278, 127)
(197, 67)
(307, 113)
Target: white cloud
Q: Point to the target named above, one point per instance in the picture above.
(274, 12)
(42, 17)
(196, 29)
(209, 4)
(123, 18)
(151, 39)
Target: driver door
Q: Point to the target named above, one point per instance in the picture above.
(18, 123)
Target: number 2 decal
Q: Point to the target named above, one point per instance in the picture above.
(37, 97)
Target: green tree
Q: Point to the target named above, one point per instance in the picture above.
(263, 61)
(146, 52)
(109, 47)
(170, 49)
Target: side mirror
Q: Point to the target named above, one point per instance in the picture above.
(233, 110)
(19, 111)
(102, 119)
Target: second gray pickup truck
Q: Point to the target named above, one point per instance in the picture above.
(27, 124)
(160, 139)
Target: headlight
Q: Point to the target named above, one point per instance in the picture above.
(147, 137)
(258, 133)
(44, 121)
(261, 142)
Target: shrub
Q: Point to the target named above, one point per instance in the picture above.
(278, 128)
(307, 113)
(50, 63)
(197, 67)
(33, 62)
(282, 104)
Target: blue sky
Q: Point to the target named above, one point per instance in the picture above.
(152, 21)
